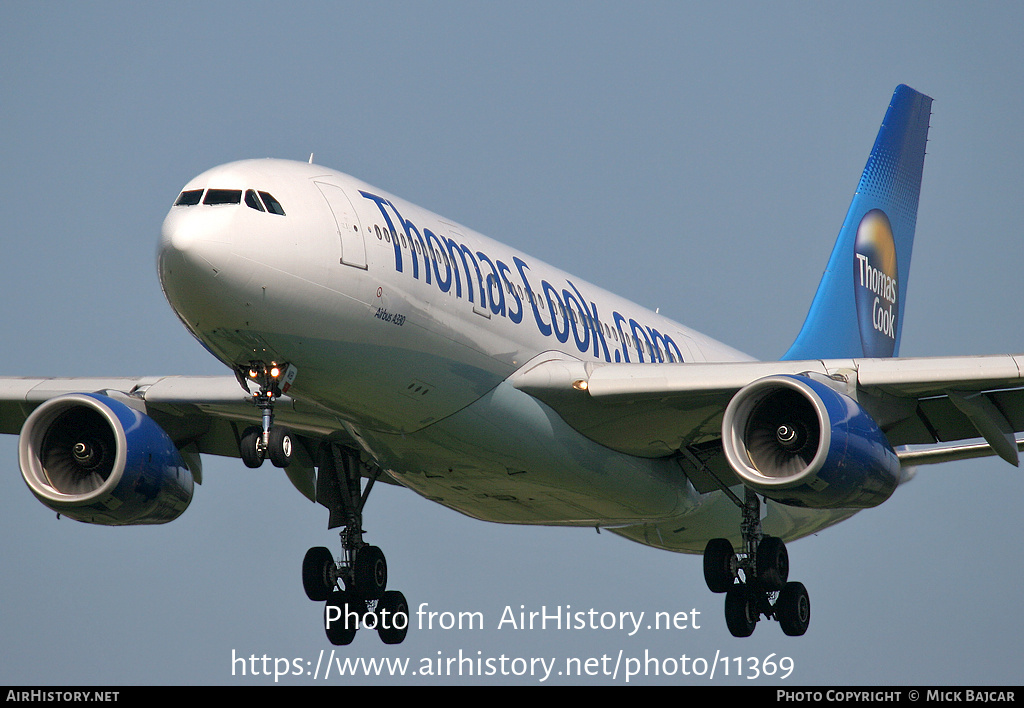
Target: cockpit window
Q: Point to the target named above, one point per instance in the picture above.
(273, 206)
(252, 201)
(260, 201)
(189, 197)
(223, 196)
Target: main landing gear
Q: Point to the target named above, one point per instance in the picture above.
(756, 582)
(354, 588)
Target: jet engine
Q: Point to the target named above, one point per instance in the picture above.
(95, 459)
(800, 442)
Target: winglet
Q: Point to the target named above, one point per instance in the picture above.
(858, 308)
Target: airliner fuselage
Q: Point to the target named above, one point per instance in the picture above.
(408, 326)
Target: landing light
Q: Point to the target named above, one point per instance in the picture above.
(580, 385)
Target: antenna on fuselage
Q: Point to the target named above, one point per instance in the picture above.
(311, 158)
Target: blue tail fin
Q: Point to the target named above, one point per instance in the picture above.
(858, 309)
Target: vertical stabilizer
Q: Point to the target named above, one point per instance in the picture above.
(858, 309)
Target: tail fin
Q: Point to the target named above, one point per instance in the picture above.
(858, 309)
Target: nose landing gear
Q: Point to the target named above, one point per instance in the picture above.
(271, 441)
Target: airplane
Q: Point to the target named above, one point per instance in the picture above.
(372, 340)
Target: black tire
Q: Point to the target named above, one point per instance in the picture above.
(370, 573)
(281, 446)
(392, 617)
(317, 572)
(719, 559)
(741, 613)
(793, 609)
(250, 447)
(339, 624)
(772, 563)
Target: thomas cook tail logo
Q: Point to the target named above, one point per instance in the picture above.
(876, 284)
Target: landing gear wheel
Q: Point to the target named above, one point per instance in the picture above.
(719, 561)
(319, 574)
(392, 617)
(280, 447)
(371, 573)
(793, 609)
(250, 447)
(341, 617)
(772, 563)
(741, 613)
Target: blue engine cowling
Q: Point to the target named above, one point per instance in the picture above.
(95, 459)
(800, 442)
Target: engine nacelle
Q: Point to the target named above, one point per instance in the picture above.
(802, 443)
(94, 459)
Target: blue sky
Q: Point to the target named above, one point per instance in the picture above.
(694, 157)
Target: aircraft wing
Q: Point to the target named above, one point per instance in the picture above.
(201, 414)
(658, 409)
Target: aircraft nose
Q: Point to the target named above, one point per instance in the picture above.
(196, 239)
(193, 256)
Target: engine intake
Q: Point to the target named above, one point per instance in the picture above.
(802, 443)
(95, 459)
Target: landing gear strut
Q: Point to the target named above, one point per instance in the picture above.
(353, 588)
(756, 581)
(258, 443)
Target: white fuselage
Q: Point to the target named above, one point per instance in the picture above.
(407, 327)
